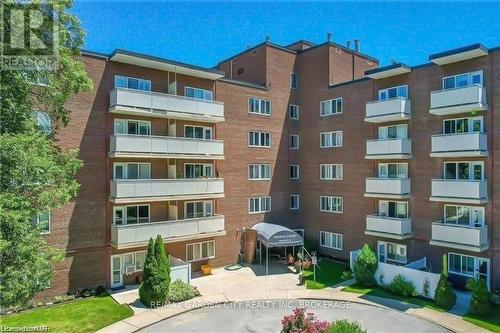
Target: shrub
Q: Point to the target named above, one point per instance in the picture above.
(347, 275)
(180, 291)
(480, 300)
(301, 322)
(444, 296)
(365, 267)
(63, 298)
(426, 288)
(100, 290)
(156, 271)
(400, 286)
(344, 326)
(86, 293)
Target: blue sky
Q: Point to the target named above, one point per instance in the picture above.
(203, 33)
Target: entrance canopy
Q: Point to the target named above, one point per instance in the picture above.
(274, 235)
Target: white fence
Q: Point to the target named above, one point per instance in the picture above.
(417, 277)
(180, 270)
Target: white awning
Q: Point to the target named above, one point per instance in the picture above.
(274, 235)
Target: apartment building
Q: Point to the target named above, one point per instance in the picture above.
(318, 138)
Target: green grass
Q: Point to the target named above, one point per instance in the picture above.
(87, 315)
(377, 291)
(491, 323)
(328, 273)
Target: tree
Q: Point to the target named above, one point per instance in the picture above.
(365, 267)
(444, 295)
(480, 299)
(156, 274)
(35, 175)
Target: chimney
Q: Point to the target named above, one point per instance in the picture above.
(329, 37)
(268, 39)
(348, 44)
(356, 45)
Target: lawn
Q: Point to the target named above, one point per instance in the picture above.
(328, 273)
(377, 291)
(492, 323)
(87, 315)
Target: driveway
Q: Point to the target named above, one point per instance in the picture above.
(266, 317)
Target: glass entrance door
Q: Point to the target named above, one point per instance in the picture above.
(116, 271)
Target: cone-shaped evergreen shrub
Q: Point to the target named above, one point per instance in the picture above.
(480, 300)
(444, 295)
(156, 274)
(365, 267)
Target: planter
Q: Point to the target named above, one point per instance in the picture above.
(206, 269)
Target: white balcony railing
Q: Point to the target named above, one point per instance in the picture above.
(388, 110)
(140, 233)
(390, 227)
(123, 190)
(459, 236)
(125, 145)
(388, 187)
(388, 148)
(458, 100)
(459, 190)
(153, 104)
(459, 145)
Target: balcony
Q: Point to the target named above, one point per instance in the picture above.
(391, 188)
(459, 145)
(131, 235)
(153, 104)
(460, 237)
(395, 109)
(459, 191)
(389, 227)
(144, 190)
(384, 149)
(458, 100)
(131, 146)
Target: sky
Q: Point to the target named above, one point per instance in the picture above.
(206, 32)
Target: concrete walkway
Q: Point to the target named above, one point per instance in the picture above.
(244, 285)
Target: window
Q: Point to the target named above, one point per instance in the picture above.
(133, 259)
(259, 106)
(198, 93)
(259, 205)
(293, 111)
(463, 80)
(240, 71)
(393, 92)
(461, 264)
(393, 170)
(463, 125)
(132, 171)
(192, 170)
(331, 240)
(259, 139)
(330, 171)
(293, 81)
(131, 214)
(198, 132)
(394, 209)
(464, 170)
(294, 171)
(393, 132)
(132, 83)
(43, 222)
(259, 172)
(331, 204)
(200, 251)
(331, 139)
(198, 209)
(391, 253)
(330, 107)
(464, 215)
(140, 258)
(293, 141)
(294, 201)
(43, 121)
(124, 126)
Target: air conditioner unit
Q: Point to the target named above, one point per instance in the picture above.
(129, 269)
